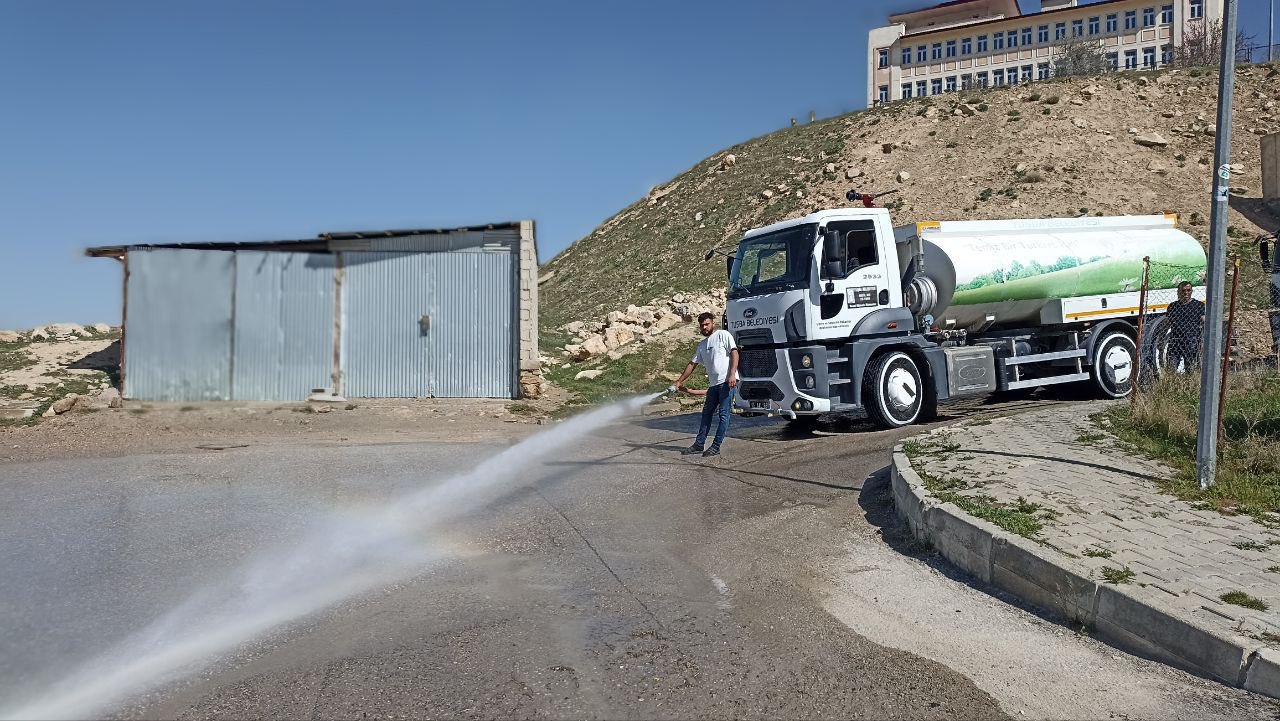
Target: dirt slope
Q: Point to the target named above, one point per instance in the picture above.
(1049, 149)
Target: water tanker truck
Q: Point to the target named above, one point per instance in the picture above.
(840, 311)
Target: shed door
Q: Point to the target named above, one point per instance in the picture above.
(472, 342)
(178, 343)
(284, 325)
(429, 324)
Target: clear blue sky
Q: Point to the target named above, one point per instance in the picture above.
(132, 122)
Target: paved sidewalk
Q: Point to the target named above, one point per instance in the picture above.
(1103, 515)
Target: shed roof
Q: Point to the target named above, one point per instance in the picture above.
(318, 244)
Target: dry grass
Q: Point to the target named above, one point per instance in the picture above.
(1161, 422)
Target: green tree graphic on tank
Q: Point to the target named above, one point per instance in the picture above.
(1012, 276)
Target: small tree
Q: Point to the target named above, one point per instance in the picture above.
(1202, 45)
(1077, 56)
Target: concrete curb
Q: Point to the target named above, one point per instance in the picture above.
(1123, 616)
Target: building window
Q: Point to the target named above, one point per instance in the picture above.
(921, 89)
(935, 86)
(906, 56)
(1111, 22)
(951, 48)
(1013, 38)
(1148, 17)
(884, 93)
(982, 43)
(1027, 73)
(1060, 31)
(1148, 57)
(937, 51)
(1131, 60)
(966, 81)
(1197, 9)
(1013, 76)
(1095, 25)
(1042, 71)
(906, 91)
(966, 46)
(982, 78)
(1166, 15)
(1113, 61)
(1077, 28)
(951, 84)
(922, 54)
(1166, 54)
(1130, 19)
(884, 58)
(997, 78)
(1026, 36)
(997, 41)
(1044, 33)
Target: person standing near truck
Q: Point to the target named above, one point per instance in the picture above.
(719, 355)
(1185, 317)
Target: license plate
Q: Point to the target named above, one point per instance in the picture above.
(759, 404)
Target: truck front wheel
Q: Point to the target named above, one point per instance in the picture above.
(892, 391)
(1113, 364)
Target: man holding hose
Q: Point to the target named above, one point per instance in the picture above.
(719, 355)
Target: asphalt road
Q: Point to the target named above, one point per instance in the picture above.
(614, 579)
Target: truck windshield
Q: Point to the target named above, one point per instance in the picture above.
(773, 262)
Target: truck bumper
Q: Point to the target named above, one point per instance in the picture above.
(782, 381)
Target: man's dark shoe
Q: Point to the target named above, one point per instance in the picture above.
(691, 450)
(712, 451)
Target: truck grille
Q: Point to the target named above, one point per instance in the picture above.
(759, 336)
(759, 391)
(757, 363)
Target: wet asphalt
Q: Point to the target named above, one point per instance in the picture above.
(618, 579)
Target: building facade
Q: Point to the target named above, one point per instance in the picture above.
(966, 44)
(396, 313)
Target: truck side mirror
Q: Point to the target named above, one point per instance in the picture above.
(833, 252)
(728, 267)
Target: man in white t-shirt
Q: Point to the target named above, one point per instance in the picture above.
(719, 355)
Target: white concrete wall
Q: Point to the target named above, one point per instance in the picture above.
(884, 37)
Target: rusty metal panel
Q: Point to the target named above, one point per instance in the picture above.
(1271, 166)
(180, 320)
(283, 325)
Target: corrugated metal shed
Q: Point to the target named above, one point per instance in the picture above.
(446, 312)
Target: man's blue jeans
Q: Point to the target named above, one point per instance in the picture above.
(719, 401)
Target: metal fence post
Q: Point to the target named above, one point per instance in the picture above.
(1210, 373)
(1142, 317)
(1226, 354)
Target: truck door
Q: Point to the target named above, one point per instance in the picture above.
(857, 278)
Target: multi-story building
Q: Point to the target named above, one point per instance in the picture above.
(961, 44)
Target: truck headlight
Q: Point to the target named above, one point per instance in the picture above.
(809, 382)
(806, 361)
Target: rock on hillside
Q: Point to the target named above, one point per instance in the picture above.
(1121, 144)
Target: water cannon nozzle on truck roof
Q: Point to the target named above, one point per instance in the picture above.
(868, 200)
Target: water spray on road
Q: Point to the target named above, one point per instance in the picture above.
(336, 559)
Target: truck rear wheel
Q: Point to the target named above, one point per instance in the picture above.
(1113, 364)
(892, 391)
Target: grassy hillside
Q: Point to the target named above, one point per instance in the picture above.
(1050, 149)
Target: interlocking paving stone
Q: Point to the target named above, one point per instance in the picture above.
(1105, 498)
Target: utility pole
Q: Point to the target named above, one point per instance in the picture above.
(1271, 29)
(1210, 367)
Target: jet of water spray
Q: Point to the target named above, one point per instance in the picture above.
(338, 558)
